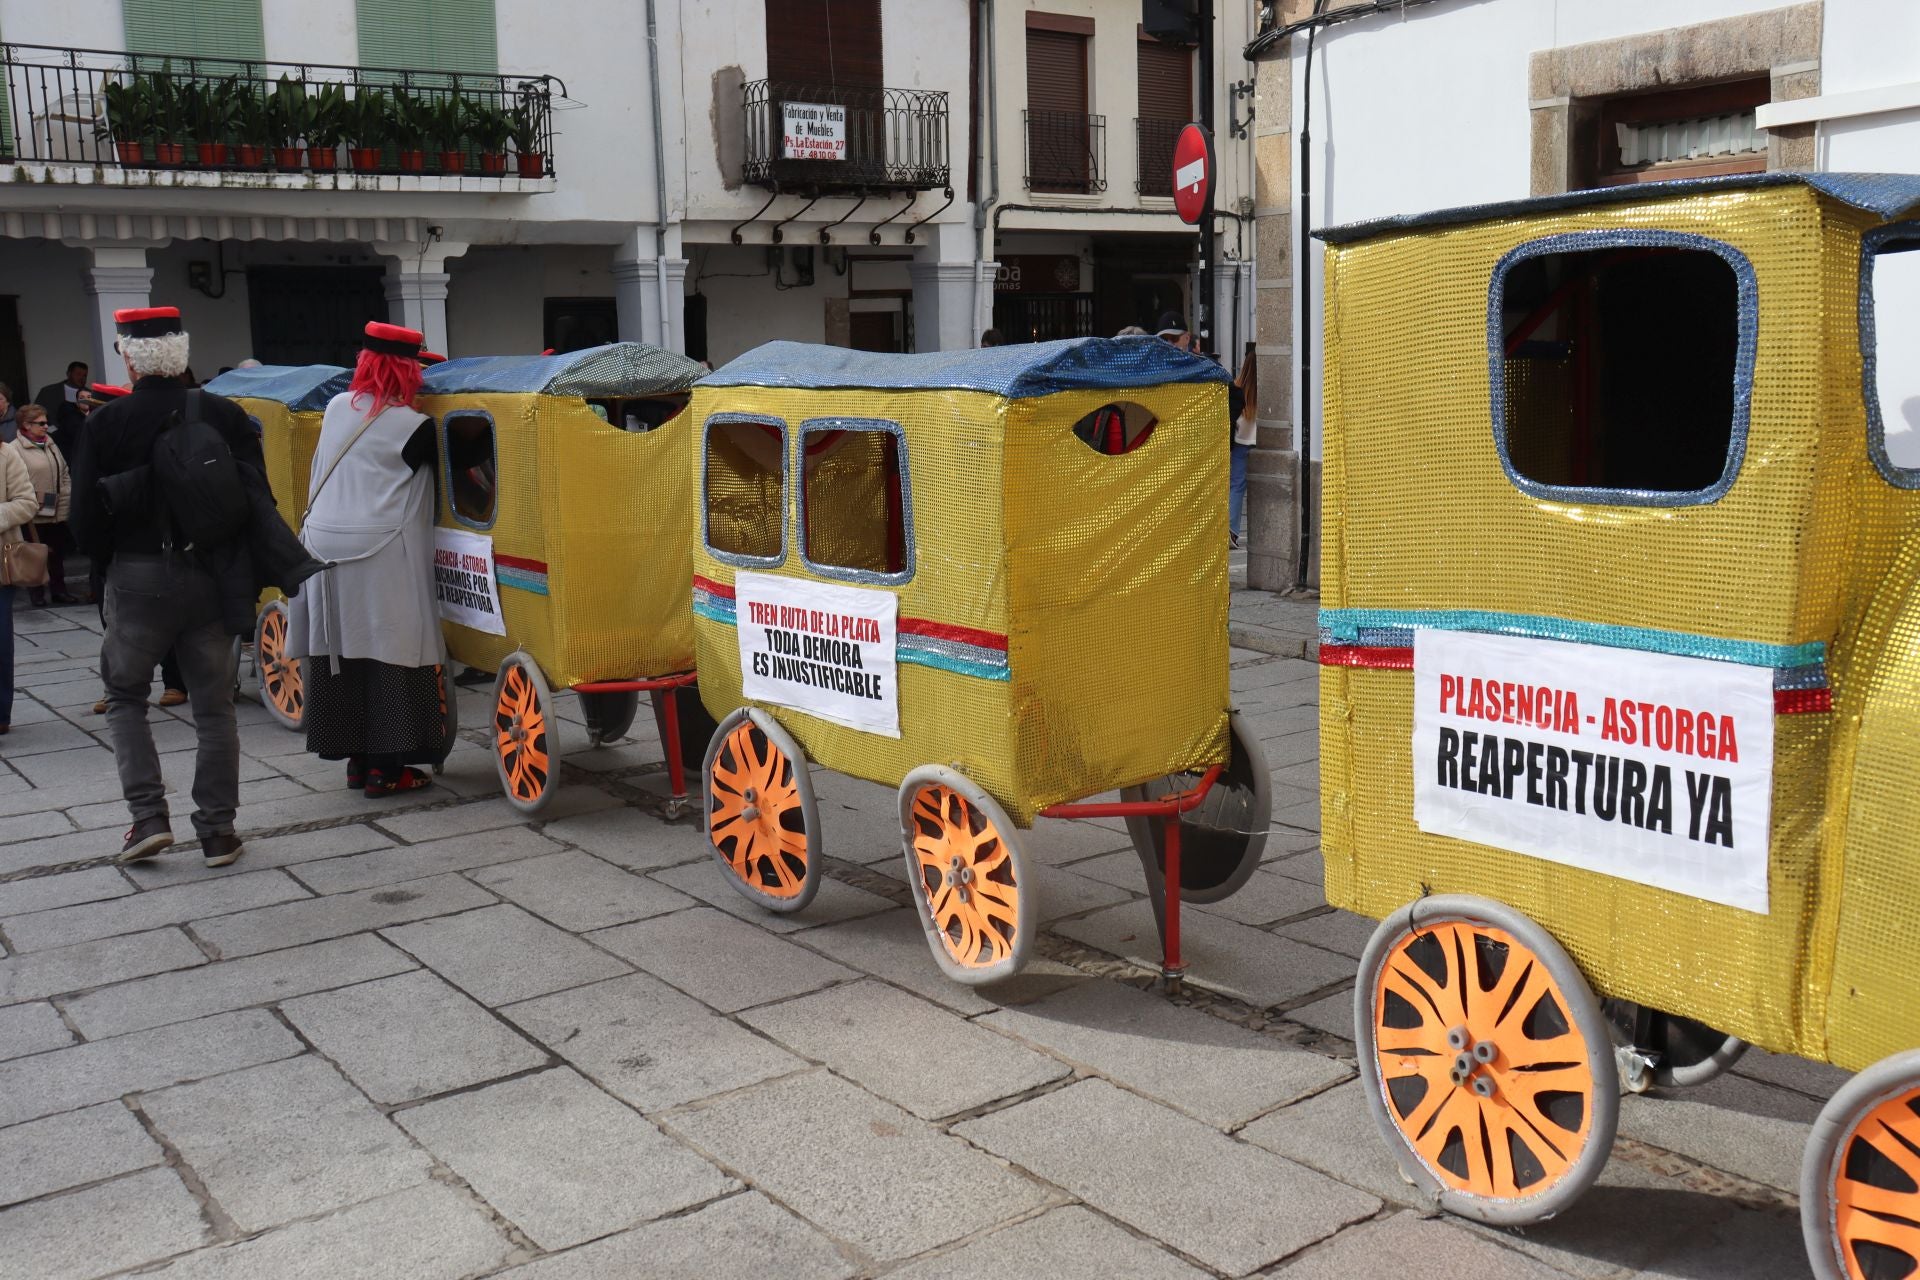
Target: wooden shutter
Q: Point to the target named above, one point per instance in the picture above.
(1056, 71)
(1166, 82)
(207, 28)
(829, 43)
(429, 35)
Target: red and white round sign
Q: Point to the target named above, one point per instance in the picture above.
(1192, 172)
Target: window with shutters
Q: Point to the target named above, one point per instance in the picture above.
(1701, 131)
(429, 35)
(206, 28)
(1166, 106)
(824, 43)
(1063, 137)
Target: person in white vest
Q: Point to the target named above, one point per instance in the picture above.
(369, 627)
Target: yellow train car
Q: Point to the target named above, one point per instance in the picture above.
(565, 523)
(285, 403)
(1618, 699)
(994, 579)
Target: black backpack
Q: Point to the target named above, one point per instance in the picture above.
(196, 481)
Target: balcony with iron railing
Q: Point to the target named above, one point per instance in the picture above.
(813, 139)
(1066, 152)
(1153, 155)
(106, 118)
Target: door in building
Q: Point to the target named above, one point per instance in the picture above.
(13, 351)
(313, 315)
(574, 324)
(875, 331)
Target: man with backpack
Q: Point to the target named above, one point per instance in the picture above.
(169, 493)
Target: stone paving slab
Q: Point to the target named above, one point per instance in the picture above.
(33, 826)
(628, 839)
(561, 1159)
(492, 815)
(834, 901)
(1764, 1148)
(31, 1028)
(410, 1036)
(1265, 897)
(1212, 1070)
(744, 1237)
(58, 1152)
(1333, 1015)
(263, 852)
(45, 893)
(232, 984)
(930, 1061)
(502, 954)
(1234, 1207)
(893, 946)
(720, 961)
(1340, 932)
(415, 862)
(862, 1169)
(150, 910)
(1068, 1243)
(649, 1045)
(578, 891)
(1407, 1244)
(101, 1229)
(1334, 1133)
(94, 964)
(428, 1232)
(284, 1141)
(1253, 965)
(292, 923)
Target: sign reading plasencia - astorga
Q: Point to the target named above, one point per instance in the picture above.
(463, 580)
(820, 648)
(1649, 767)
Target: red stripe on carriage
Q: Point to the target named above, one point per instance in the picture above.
(1354, 655)
(711, 587)
(1791, 702)
(519, 562)
(950, 631)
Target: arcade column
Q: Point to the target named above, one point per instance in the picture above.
(118, 277)
(417, 287)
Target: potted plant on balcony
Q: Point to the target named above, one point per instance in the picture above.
(169, 117)
(525, 119)
(369, 126)
(210, 107)
(447, 127)
(411, 124)
(129, 117)
(252, 126)
(488, 128)
(330, 117)
(289, 116)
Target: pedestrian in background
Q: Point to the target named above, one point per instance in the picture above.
(67, 404)
(53, 490)
(1246, 431)
(9, 414)
(17, 505)
(992, 338)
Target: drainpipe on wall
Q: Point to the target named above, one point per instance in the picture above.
(989, 181)
(659, 182)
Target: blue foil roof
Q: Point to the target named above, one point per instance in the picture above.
(299, 387)
(1016, 372)
(1886, 194)
(616, 369)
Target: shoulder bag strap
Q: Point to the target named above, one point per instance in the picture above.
(313, 495)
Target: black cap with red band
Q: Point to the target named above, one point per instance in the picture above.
(393, 340)
(147, 322)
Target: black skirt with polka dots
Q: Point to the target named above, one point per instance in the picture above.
(372, 708)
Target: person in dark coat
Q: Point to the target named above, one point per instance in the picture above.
(161, 596)
(67, 404)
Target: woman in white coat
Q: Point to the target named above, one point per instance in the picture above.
(368, 627)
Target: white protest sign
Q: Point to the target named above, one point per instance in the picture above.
(464, 583)
(813, 131)
(824, 649)
(1644, 766)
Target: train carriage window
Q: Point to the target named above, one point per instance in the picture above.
(639, 413)
(1620, 366)
(1889, 336)
(744, 486)
(471, 458)
(856, 503)
(1116, 428)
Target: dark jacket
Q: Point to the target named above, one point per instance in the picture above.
(65, 421)
(116, 512)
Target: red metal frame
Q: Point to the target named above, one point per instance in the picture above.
(1168, 809)
(669, 715)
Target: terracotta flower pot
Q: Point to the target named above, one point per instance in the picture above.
(533, 164)
(322, 159)
(249, 156)
(453, 162)
(364, 159)
(211, 155)
(130, 153)
(413, 161)
(493, 163)
(286, 159)
(170, 155)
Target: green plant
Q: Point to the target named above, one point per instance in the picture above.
(368, 118)
(210, 108)
(167, 95)
(252, 116)
(526, 121)
(446, 121)
(289, 112)
(487, 125)
(330, 117)
(130, 110)
(409, 121)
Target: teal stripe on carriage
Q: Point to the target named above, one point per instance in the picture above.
(1346, 626)
(520, 579)
(949, 662)
(713, 609)
(941, 655)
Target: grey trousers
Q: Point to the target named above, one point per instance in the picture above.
(153, 604)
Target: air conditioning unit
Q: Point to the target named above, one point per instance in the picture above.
(1174, 21)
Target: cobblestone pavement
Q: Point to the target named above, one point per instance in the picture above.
(423, 1038)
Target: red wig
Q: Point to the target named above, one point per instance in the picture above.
(385, 381)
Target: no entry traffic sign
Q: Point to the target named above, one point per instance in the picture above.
(1192, 172)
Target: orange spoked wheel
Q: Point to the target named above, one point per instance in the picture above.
(1860, 1182)
(969, 876)
(1486, 1059)
(524, 741)
(761, 821)
(282, 690)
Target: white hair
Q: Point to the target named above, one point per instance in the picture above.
(164, 356)
(248, 363)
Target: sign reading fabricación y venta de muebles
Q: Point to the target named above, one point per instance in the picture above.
(813, 131)
(824, 649)
(1649, 767)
